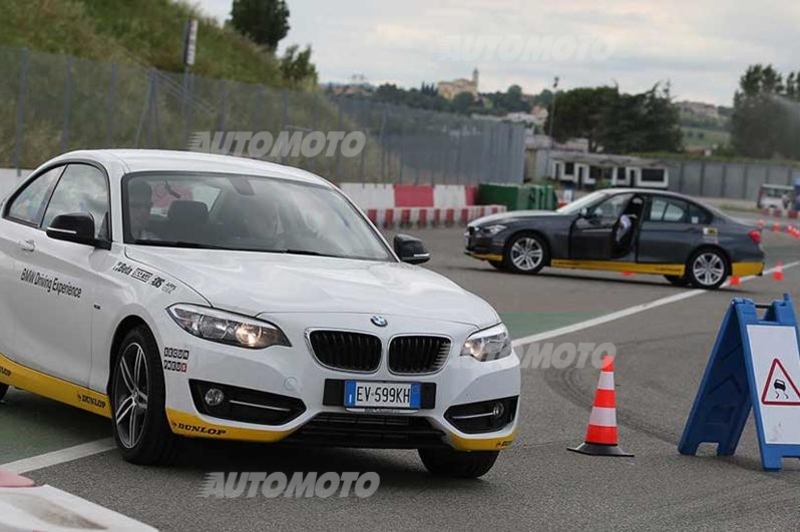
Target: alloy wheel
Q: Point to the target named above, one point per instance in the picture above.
(131, 387)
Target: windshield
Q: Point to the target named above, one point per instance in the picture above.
(245, 213)
(586, 201)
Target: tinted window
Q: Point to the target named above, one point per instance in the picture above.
(612, 207)
(677, 211)
(29, 204)
(652, 175)
(82, 189)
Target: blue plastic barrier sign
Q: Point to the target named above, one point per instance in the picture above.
(755, 364)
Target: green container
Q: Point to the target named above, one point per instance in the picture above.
(514, 197)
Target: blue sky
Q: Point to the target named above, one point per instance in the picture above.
(701, 47)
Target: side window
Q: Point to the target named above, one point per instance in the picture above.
(29, 204)
(669, 210)
(698, 215)
(612, 207)
(82, 188)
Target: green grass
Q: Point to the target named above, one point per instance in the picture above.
(141, 32)
(710, 137)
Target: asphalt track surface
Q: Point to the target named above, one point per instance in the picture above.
(537, 484)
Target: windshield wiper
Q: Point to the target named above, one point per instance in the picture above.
(305, 252)
(178, 244)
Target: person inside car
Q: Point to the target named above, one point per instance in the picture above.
(140, 201)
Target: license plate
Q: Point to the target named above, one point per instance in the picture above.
(382, 394)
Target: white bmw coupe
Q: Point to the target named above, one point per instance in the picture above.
(192, 295)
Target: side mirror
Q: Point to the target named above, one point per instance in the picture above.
(584, 213)
(77, 228)
(410, 249)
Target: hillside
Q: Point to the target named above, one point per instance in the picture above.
(140, 32)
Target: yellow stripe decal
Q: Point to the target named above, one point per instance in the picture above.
(615, 266)
(488, 256)
(743, 269)
(193, 426)
(482, 444)
(59, 390)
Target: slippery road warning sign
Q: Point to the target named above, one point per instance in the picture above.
(779, 390)
(755, 366)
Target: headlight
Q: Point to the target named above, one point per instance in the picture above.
(492, 230)
(227, 328)
(490, 344)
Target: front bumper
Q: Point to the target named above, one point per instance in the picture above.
(484, 247)
(292, 376)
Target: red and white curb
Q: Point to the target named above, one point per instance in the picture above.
(24, 506)
(430, 217)
(383, 196)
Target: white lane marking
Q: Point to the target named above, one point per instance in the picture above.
(69, 454)
(631, 311)
(100, 446)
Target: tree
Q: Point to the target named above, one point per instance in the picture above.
(265, 22)
(766, 114)
(297, 68)
(463, 102)
(618, 123)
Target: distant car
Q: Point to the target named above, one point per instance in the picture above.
(626, 230)
(186, 294)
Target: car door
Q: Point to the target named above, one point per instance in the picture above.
(671, 229)
(22, 213)
(53, 293)
(591, 234)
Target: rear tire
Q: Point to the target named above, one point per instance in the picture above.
(708, 269)
(458, 464)
(141, 429)
(3, 390)
(526, 253)
(678, 280)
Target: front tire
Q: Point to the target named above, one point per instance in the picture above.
(3, 391)
(708, 269)
(458, 464)
(526, 253)
(141, 429)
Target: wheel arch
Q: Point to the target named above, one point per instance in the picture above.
(537, 232)
(125, 326)
(714, 247)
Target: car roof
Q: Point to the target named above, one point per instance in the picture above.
(651, 191)
(145, 160)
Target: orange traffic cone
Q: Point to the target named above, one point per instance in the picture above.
(761, 224)
(778, 273)
(776, 227)
(735, 281)
(601, 434)
(627, 274)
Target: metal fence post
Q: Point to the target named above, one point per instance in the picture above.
(702, 176)
(744, 181)
(724, 182)
(383, 146)
(223, 105)
(19, 130)
(112, 89)
(284, 122)
(67, 98)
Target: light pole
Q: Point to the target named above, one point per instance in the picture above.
(552, 121)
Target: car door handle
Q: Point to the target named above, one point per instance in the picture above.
(27, 246)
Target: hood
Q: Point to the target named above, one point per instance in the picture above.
(511, 216)
(251, 283)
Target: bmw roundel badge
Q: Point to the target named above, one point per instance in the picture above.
(379, 321)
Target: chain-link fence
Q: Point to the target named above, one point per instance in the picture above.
(50, 104)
